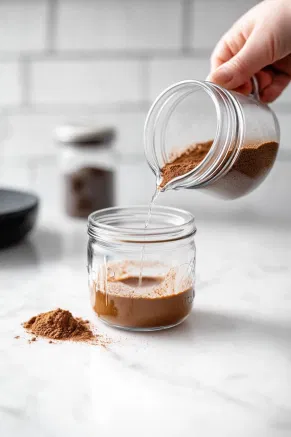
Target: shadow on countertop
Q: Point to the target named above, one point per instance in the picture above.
(41, 245)
(208, 324)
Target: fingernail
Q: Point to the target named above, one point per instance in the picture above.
(222, 76)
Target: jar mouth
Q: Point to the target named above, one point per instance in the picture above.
(127, 225)
(157, 124)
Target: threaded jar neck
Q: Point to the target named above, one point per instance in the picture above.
(126, 226)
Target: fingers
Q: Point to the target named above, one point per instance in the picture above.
(264, 78)
(235, 72)
(246, 88)
(273, 91)
(221, 54)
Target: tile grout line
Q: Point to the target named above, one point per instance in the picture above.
(24, 81)
(145, 79)
(142, 105)
(51, 26)
(105, 55)
(32, 171)
(186, 26)
(50, 109)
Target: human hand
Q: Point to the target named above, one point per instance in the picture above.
(259, 43)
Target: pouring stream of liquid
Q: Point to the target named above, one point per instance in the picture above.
(154, 198)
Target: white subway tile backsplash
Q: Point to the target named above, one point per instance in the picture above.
(32, 135)
(27, 135)
(86, 82)
(129, 130)
(285, 97)
(165, 72)
(14, 175)
(285, 122)
(135, 183)
(51, 195)
(128, 125)
(115, 24)
(10, 88)
(211, 19)
(23, 25)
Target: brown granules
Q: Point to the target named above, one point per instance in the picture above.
(87, 190)
(60, 325)
(185, 162)
(164, 298)
(250, 168)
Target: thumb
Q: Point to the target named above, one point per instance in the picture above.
(253, 56)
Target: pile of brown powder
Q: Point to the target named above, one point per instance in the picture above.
(254, 161)
(61, 325)
(185, 162)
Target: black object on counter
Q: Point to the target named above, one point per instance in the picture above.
(18, 213)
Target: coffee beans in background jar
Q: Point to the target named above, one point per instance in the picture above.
(87, 167)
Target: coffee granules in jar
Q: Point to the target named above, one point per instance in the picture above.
(251, 166)
(163, 299)
(88, 189)
(60, 324)
(87, 163)
(185, 161)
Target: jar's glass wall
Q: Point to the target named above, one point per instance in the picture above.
(163, 297)
(191, 118)
(260, 122)
(182, 115)
(257, 151)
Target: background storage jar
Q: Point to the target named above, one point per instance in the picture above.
(87, 166)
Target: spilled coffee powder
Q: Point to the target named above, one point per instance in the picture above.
(251, 166)
(61, 325)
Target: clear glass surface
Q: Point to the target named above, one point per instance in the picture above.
(192, 112)
(119, 245)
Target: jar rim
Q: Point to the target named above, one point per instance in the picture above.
(106, 224)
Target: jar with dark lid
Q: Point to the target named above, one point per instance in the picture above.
(87, 167)
(235, 137)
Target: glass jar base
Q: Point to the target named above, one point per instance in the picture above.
(142, 329)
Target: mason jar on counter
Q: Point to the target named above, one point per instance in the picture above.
(87, 167)
(141, 279)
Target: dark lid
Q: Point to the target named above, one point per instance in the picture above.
(18, 213)
(78, 134)
(14, 202)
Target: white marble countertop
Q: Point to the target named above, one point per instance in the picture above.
(225, 372)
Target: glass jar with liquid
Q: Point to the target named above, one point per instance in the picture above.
(200, 135)
(141, 279)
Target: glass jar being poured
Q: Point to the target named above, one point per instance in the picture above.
(200, 135)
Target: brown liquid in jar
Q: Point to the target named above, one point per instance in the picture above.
(156, 303)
